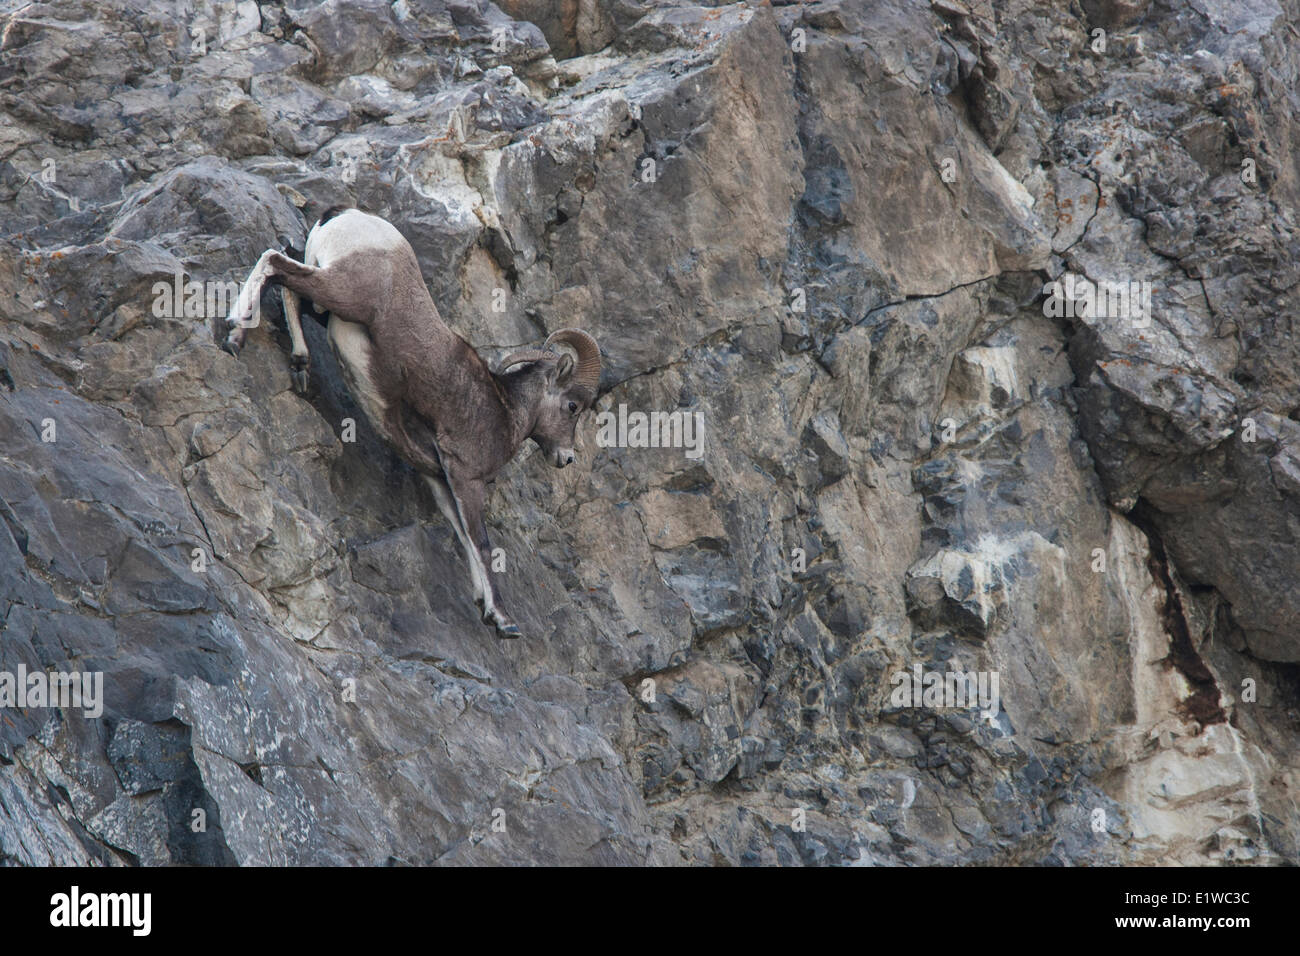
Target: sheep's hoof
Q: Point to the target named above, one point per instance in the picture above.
(300, 379)
(231, 346)
(505, 628)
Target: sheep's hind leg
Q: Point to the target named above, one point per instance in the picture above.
(244, 314)
(327, 288)
(345, 291)
(299, 358)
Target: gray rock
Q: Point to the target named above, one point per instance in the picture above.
(833, 247)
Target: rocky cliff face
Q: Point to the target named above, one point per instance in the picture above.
(825, 228)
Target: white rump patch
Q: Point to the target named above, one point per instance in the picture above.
(350, 231)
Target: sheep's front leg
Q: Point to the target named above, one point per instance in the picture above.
(470, 497)
(447, 505)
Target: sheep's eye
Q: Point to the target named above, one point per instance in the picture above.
(573, 408)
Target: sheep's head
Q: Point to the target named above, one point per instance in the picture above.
(567, 390)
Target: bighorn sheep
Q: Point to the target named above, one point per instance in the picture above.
(424, 388)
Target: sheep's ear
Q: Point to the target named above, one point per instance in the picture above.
(563, 369)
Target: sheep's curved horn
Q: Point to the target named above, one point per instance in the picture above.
(528, 355)
(588, 370)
